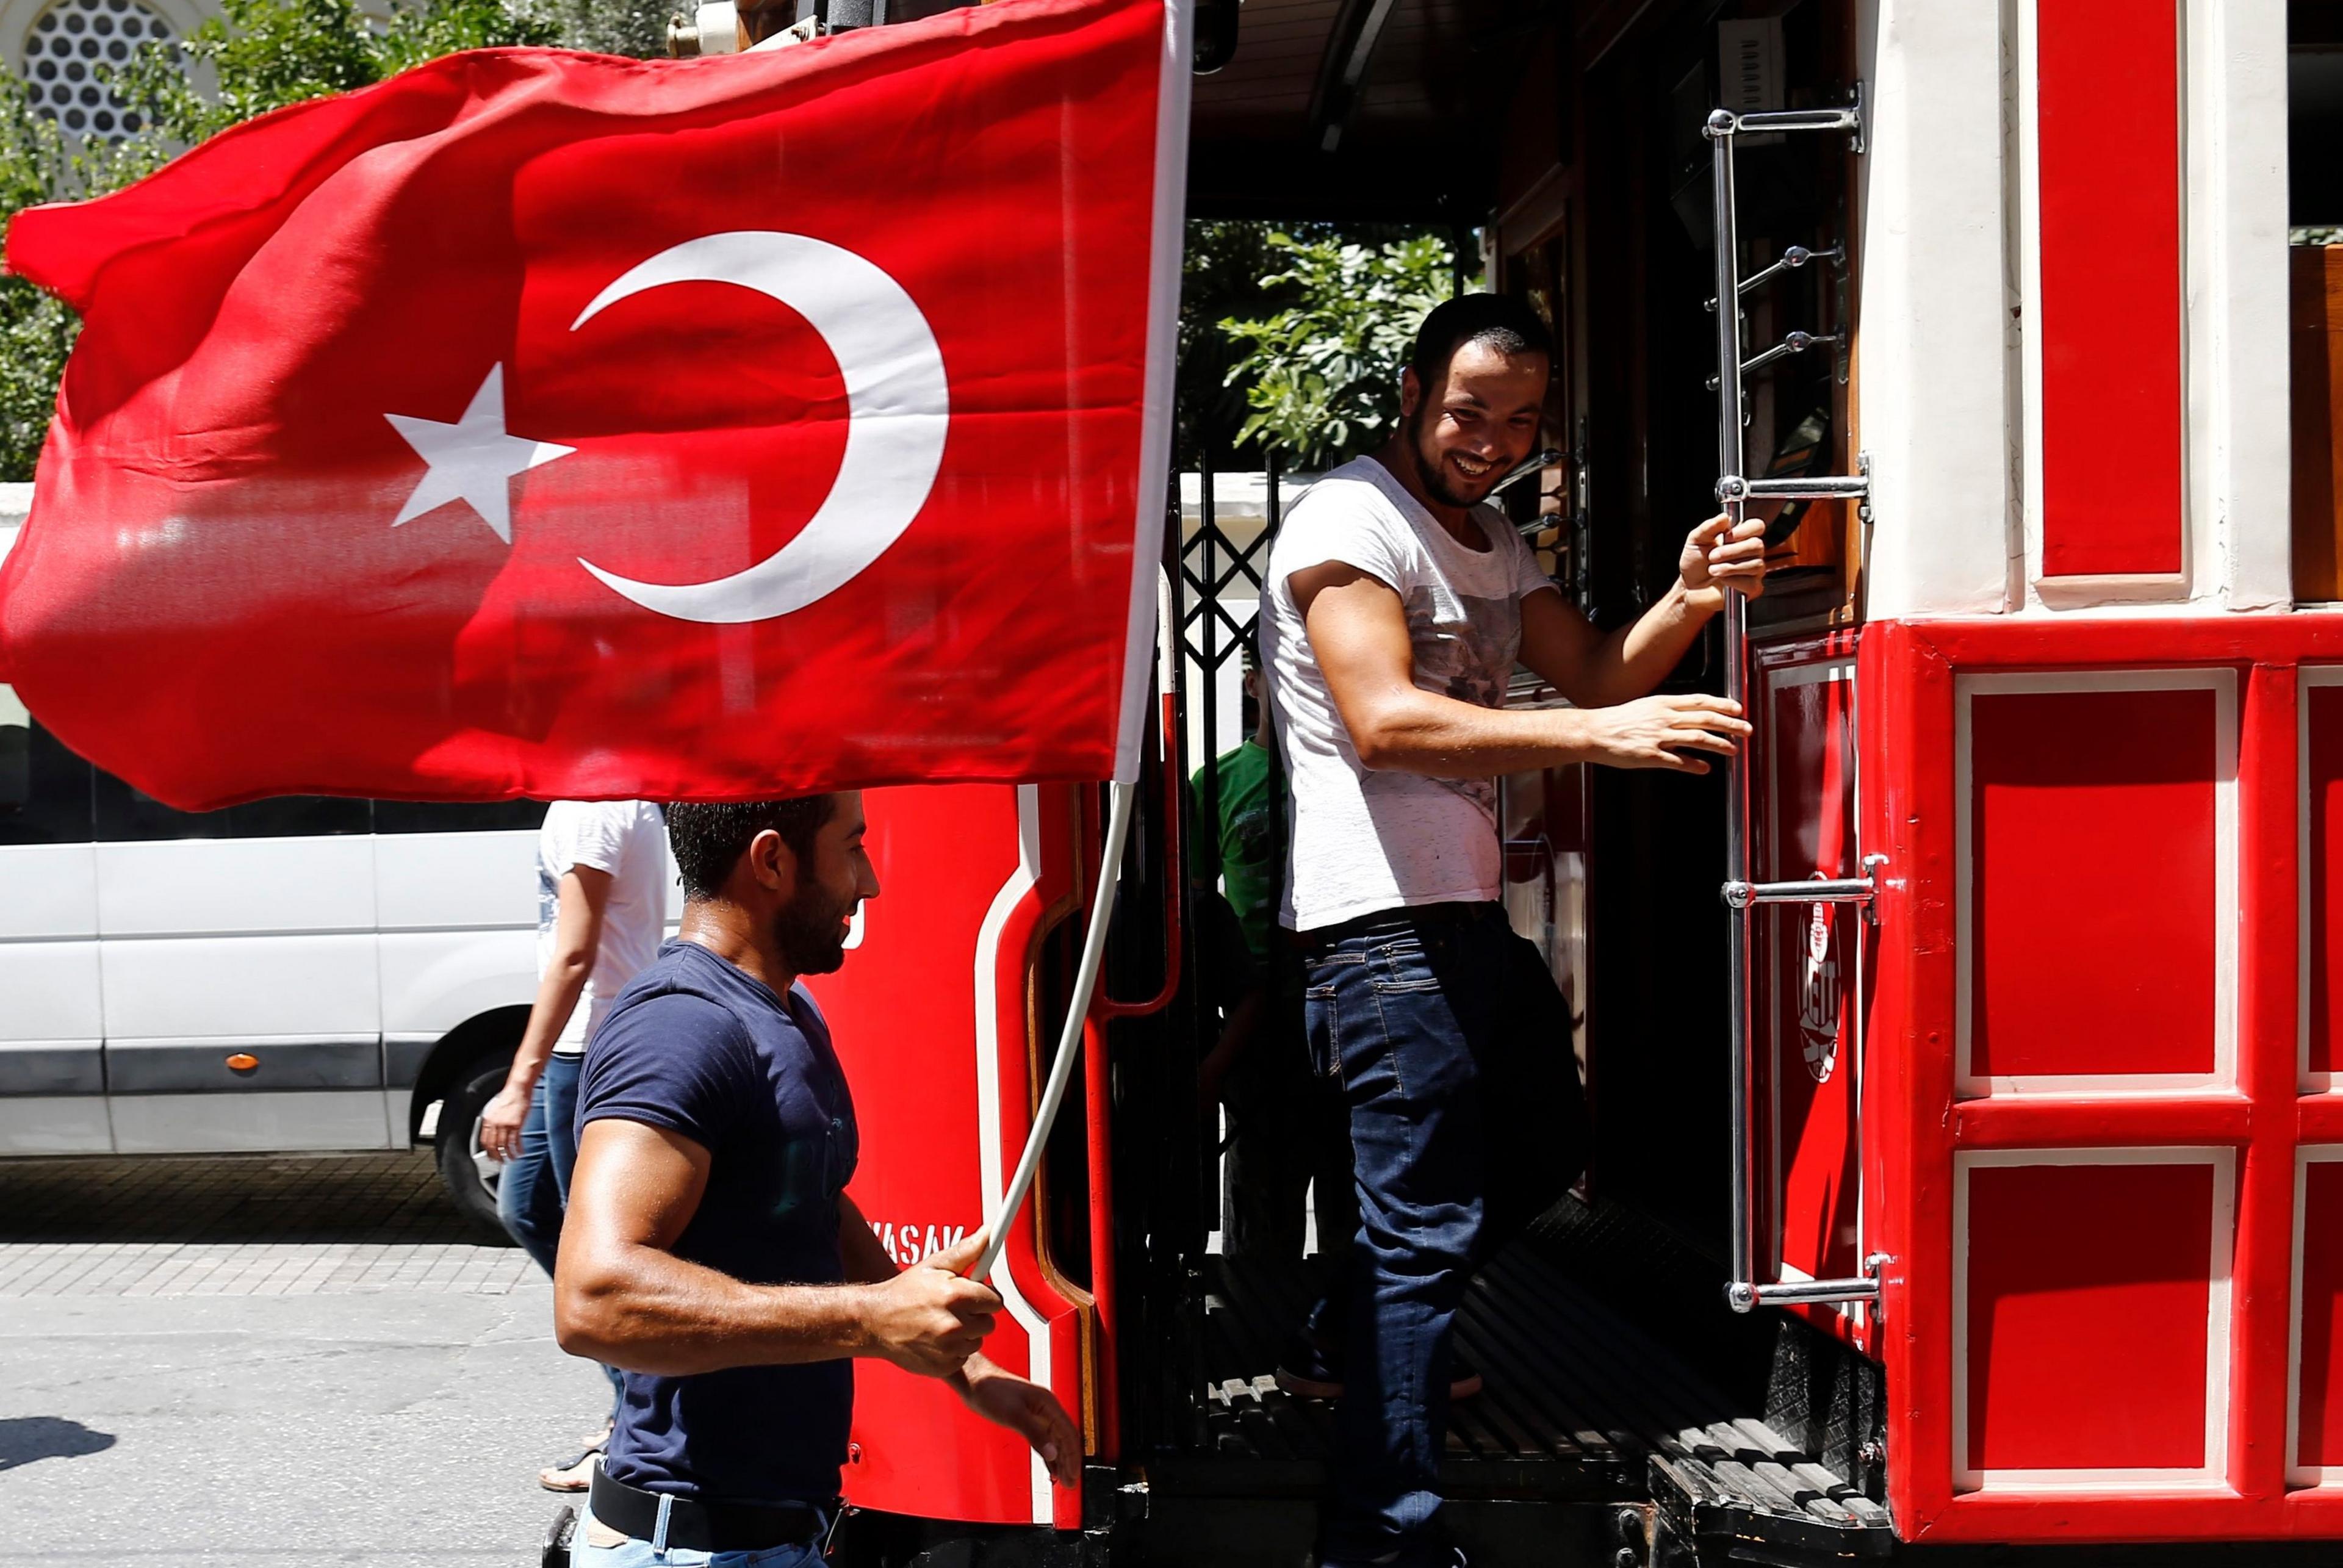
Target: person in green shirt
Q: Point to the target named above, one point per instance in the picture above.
(1259, 1070)
(1252, 821)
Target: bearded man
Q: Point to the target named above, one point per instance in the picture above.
(1396, 607)
(711, 1253)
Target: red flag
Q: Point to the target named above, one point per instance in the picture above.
(541, 423)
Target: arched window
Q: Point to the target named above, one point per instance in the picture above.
(63, 53)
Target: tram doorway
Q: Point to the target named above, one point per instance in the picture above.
(1617, 1376)
(1614, 242)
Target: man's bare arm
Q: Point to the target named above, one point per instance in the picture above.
(1596, 669)
(867, 1262)
(621, 1297)
(1358, 633)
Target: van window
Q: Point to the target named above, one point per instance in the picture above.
(126, 813)
(455, 817)
(45, 790)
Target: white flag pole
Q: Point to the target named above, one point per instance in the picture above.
(1069, 1040)
(1154, 474)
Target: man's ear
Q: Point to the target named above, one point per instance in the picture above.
(1411, 392)
(773, 865)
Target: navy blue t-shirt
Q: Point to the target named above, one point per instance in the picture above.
(698, 1047)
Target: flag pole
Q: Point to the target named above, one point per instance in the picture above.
(1069, 1038)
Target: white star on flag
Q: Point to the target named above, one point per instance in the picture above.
(471, 460)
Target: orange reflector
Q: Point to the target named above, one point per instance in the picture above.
(244, 1061)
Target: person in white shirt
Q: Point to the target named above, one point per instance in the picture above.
(601, 905)
(1395, 609)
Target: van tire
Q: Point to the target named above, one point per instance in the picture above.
(457, 1142)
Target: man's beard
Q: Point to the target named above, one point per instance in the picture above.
(810, 930)
(1432, 469)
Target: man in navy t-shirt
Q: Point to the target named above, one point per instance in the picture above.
(710, 1251)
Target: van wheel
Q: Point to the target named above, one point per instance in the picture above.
(469, 1175)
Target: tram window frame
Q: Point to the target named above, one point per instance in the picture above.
(46, 791)
(2314, 294)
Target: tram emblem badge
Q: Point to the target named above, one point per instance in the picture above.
(1818, 996)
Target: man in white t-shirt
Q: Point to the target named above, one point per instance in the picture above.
(601, 905)
(1396, 610)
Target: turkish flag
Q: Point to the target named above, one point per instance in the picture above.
(538, 423)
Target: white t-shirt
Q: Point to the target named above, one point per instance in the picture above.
(627, 839)
(1365, 841)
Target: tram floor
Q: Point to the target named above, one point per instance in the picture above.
(1589, 1437)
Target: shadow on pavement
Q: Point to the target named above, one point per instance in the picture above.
(25, 1438)
(384, 1197)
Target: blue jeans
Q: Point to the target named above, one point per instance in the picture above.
(1453, 1046)
(558, 1083)
(633, 1553)
(533, 1189)
(529, 1198)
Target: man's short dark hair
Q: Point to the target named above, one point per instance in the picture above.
(708, 840)
(1500, 321)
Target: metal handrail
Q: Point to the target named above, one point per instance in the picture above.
(1740, 895)
(1734, 491)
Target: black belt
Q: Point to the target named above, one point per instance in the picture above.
(703, 1526)
(1402, 917)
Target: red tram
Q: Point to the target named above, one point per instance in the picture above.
(2001, 1097)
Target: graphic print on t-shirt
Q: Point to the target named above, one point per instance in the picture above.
(1464, 647)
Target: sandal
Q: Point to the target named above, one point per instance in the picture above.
(573, 1475)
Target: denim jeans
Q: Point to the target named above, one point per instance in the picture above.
(559, 1085)
(1288, 1130)
(533, 1189)
(1453, 1047)
(634, 1554)
(528, 1199)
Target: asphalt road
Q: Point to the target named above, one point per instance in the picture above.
(270, 1361)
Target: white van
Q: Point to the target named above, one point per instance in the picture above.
(300, 974)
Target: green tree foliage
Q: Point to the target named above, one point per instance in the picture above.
(258, 55)
(1320, 375)
(1220, 276)
(265, 53)
(37, 332)
(633, 27)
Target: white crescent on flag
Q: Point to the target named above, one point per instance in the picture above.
(899, 405)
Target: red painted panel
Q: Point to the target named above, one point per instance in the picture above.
(2109, 143)
(2321, 1412)
(2092, 915)
(2323, 758)
(2088, 1291)
(1915, 1125)
(903, 1010)
(1810, 964)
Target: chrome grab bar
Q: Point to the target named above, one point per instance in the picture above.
(1734, 491)
(1816, 488)
(1796, 256)
(1743, 1297)
(1795, 343)
(1818, 891)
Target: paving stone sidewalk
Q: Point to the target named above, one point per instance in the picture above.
(252, 1226)
(259, 1362)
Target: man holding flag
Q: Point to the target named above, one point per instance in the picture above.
(711, 1251)
(540, 423)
